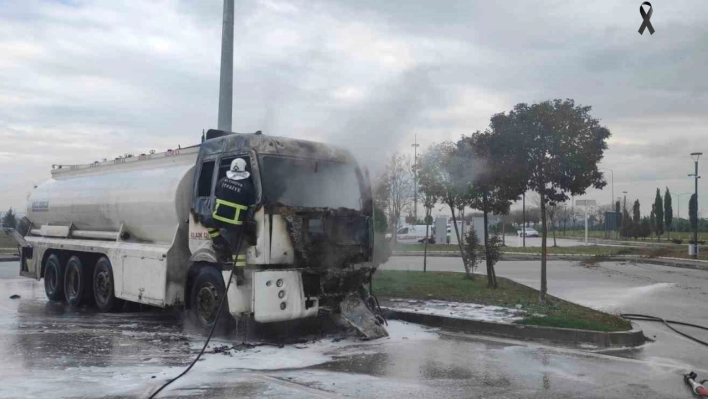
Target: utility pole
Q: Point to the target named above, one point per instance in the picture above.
(226, 80)
(695, 156)
(415, 146)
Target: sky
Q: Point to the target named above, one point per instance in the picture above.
(85, 80)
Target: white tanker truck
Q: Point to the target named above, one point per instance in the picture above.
(129, 230)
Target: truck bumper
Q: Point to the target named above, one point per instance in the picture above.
(272, 295)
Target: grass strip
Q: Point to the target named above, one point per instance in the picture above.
(450, 286)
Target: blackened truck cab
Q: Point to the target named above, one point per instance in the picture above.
(129, 230)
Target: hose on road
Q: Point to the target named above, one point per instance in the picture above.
(211, 332)
(667, 323)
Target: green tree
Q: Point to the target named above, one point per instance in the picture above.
(493, 189)
(693, 212)
(645, 229)
(668, 212)
(652, 218)
(636, 220)
(626, 229)
(555, 148)
(9, 219)
(659, 215)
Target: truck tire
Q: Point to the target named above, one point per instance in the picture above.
(103, 287)
(206, 293)
(54, 279)
(77, 282)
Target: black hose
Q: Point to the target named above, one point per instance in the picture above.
(642, 317)
(216, 321)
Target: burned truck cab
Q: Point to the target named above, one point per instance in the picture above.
(312, 241)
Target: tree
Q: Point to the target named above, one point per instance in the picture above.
(652, 218)
(645, 229)
(659, 215)
(554, 148)
(9, 219)
(693, 212)
(636, 222)
(396, 185)
(23, 226)
(493, 189)
(429, 190)
(626, 229)
(442, 175)
(618, 214)
(668, 212)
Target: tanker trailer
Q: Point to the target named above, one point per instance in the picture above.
(130, 229)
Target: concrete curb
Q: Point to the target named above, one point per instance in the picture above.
(566, 336)
(523, 256)
(9, 258)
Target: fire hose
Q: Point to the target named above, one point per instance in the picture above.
(211, 332)
(698, 388)
(667, 323)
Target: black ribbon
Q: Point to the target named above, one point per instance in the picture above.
(646, 17)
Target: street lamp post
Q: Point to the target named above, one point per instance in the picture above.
(415, 146)
(695, 156)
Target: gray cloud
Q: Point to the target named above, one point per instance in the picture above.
(81, 81)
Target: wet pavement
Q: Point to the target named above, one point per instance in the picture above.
(51, 351)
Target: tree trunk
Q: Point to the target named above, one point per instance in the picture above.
(544, 283)
(468, 268)
(491, 280)
(504, 232)
(554, 236)
(425, 249)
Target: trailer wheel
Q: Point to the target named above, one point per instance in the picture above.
(54, 279)
(76, 282)
(103, 287)
(206, 293)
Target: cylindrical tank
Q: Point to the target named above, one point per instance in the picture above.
(149, 196)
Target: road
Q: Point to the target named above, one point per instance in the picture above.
(614, 287)
(50, 350)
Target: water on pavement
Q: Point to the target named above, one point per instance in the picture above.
(50, 350)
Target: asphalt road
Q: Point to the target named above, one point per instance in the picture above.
(615, 287)
(50, 350)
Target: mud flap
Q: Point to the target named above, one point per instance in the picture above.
(357, 314)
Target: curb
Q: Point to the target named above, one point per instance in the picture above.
(618, 339)
(9, 258)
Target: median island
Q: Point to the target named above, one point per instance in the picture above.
(521, 301)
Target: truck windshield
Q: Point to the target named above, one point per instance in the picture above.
(310, 183)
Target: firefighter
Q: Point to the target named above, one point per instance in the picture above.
(234, 194)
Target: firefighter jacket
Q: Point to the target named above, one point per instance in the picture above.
(232, 200)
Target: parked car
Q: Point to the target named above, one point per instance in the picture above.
(414, 235)
(529, 233)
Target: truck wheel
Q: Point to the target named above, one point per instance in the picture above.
(76, 282)
(54, 279)
(103, 287)
(206, 293)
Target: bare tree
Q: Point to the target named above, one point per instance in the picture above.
(396, 182)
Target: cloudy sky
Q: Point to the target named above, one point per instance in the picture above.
(86, 80)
